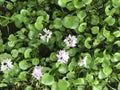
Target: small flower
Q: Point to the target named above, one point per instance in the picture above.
(63, 56)
(83, 62)
(37, 72)
(70, 41)
(47, 35)
(6, 64)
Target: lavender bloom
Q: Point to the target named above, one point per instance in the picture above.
(6, 64)
(83, 62)
(63, 56)
(47, 35)
(37, 72)
(70, 41)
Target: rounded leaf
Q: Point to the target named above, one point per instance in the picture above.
(116, 57)
(38, 24)
(47, 79)
(23, 76)
(63, 68)
(14, 53)
(110, 20)
(95, 29)
(35, 61)
(71, 22)
(27, 53)
(107, 70)
(29, 88)
(87, 1)
(63, 84)
(24, 65)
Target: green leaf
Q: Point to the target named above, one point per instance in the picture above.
(35, 61)
(95, 29)
(117, 66)
(97, 87)
(63, 3)
(109, 11)
(119, 86)
(5, 22)
(3, 85)
(78, 4)
(21, 50)
(106, 33)
(87, 45)
(28, 88)
(27, 53)
(9, 6)
(63, 68)
(54, 86)
(87, 1)
(47, 79)
(81, 14)
(4, 56)
(81, 87)
(89, 78)
(116, 33)
(38, 24)
(94, 20)
(63, 84)
(53, 56)
(116, 3)
(79, 81)
(71, 22)
(71, 75)
(101, 75)
(2, 2)
(58, 35)
(57, 23)
(72, 65)
(23, 76)
(12, 37)
(116, 57)
(24, 65)
(24, 12)
(107, 70)
(82, 27)
(117, 43)
(70, 6)
(72, 51)
(14, 53)
(110, 20)
(11, 43)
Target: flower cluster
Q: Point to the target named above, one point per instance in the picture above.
(70, 41)
(37, 72)
(6, 64)
(46, 36)
(63, 56)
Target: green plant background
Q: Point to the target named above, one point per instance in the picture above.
(95, 23)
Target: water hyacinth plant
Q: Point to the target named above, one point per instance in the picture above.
(59, 45)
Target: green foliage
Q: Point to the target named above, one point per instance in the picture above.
(71, 22)
(47, 79)
(24, 65)
(95, 24)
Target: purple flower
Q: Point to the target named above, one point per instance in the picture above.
(46, 36)
(70, 41)
(37, 72)
(83, 62)
(63, 56)
(6, 64)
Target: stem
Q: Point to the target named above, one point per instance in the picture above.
(4, 17)
(110, 87)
